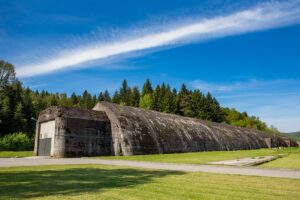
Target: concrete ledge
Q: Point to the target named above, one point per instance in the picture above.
(249, 161)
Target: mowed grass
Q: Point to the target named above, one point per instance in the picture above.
(108, 182)
(290, 160)
(10, 154)
(205, 157)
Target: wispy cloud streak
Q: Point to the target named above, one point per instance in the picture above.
(264, 16)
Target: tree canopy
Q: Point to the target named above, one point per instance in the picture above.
(20, 107)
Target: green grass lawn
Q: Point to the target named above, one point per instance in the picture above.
(290, 160)
(107, 182)
(205, 157)
(10, 154)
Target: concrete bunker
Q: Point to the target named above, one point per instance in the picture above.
(112, 129)
(72, 132)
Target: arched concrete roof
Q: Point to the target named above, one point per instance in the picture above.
(138, 131)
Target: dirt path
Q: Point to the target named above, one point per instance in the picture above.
(249, 171)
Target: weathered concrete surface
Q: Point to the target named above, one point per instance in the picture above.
(139, 131)
(112, 129)
(248, 171)
(249, 161)
(78, 132)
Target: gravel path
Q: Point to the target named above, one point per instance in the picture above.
(249, 171)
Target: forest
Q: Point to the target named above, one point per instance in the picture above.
(20, 106)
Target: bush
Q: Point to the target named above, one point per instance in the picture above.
(16, 142)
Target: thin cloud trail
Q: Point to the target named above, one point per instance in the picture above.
(262, 17)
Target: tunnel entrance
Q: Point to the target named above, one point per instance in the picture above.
(85, 137)
(46, 139)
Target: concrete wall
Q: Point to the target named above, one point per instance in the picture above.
(139, 131)
(78, 132)
(113, 129)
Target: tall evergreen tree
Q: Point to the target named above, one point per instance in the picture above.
(135, 97)
(168, 101)
(116, 97)
(147, 88)
(184, 102)
(106, 96)
(198, 104)
(101, 96)
(156, 100)
(19, 121)
(74, 99)
(125, 93)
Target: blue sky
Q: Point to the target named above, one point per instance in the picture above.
(247, 53)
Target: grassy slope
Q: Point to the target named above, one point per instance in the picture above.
(8, 154)
(202, 157)
(106, 182)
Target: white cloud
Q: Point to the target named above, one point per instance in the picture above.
(246, 85)
(264, 16)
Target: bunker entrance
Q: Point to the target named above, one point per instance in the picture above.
(46, 139)
(87, 138)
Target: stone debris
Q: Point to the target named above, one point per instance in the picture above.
(249, 161)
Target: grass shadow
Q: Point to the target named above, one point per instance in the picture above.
(40, 183)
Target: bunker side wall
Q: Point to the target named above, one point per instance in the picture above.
(142, 131)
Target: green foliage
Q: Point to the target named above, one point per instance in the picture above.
(235, 118)
(184, 102)
(146, 101)
(135, 97)
(104, 96)
(295, 135)
(147, 88)
(125, 93)
(7, 74)
(20, 107)
(16, 142)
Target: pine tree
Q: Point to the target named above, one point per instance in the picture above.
(125, 93)
(175, 104)
(135, 97)
(94, 101)
(116, 97)
(19, 121)
(161, 97)
(106, 96)
(198, 104)
(101, 97)
(28, 112)
(86, 101)
(168, 101)
(156, 100)
(147, 88)
(212, 109)
(184, 102)
(74, 99)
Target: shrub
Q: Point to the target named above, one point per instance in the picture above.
(16, 142)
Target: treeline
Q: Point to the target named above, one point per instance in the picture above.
(20, 107)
